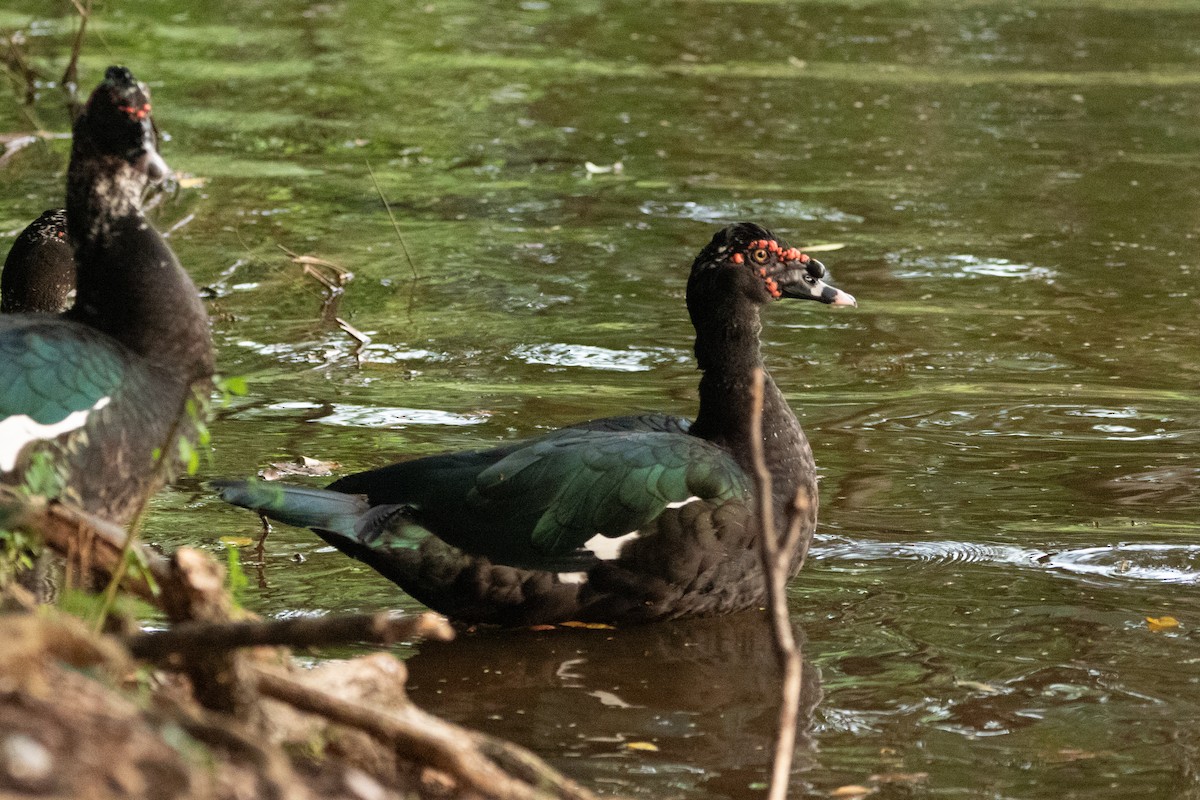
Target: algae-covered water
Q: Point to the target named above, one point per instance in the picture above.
(1008, 427)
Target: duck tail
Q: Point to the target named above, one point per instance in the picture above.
(300, 506)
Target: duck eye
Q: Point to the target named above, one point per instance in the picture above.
(760, 255)
(810, 280)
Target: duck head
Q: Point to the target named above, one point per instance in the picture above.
(747, 262)
(117, 123)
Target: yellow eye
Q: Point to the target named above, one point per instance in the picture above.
(760, 255)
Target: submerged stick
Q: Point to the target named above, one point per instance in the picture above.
(776, 560)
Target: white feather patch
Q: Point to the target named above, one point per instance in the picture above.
(19, 431)
(607, 548)
(682, 503)
(572, 577)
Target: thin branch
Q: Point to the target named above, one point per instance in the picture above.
(70, 78)
(776, 561)
(15, 144)
(392, 217)
(191, 638)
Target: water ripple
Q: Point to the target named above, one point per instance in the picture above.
(969, 266)
(366, 416)
(732, 210)
(579, 355)
(1144, 561)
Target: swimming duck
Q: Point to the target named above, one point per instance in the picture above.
(624, 519)
(96, 393)
(39, 272)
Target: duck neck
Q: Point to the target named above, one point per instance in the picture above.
(129, 283)
(728, 352)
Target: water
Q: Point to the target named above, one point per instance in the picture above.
(1007, 426)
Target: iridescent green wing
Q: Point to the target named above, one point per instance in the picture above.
(575, 484)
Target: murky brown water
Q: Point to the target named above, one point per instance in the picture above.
(1007, 426)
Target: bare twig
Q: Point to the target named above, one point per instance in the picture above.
(776, 563)
(70, 78)
(189, 638)
(333, 277)
(424, 738)
(361, 340)
(392, 217)
(17, 143)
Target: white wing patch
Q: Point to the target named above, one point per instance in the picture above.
(19, 431)
(607, 548)
(682, 503)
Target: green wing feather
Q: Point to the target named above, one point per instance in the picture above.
(48, 371)
(580, 483)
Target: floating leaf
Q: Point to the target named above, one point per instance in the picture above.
(978, 686)
(593, 626)
(236, 541)
(900, 777)
(1068, 754)
(191, 182)
(1161, 623)
(647, 746)
(852, 791)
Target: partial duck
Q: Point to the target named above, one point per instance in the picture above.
(99, 392)
(39, 272)
(622, 519)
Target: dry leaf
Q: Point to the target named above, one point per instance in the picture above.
(978, 686)
(852, 791)
(593, 626)
(237, 541)
(647, 746)
(1161, 623)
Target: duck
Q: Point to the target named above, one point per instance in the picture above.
(95, 400)
(620, 520)
(39, 272)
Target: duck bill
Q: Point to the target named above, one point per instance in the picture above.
(835, 296)
(806, 283)
(150, 162)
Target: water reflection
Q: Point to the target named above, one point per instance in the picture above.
(704, 692)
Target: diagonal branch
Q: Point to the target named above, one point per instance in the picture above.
(776, 559)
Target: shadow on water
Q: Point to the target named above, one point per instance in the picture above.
(704, 693)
